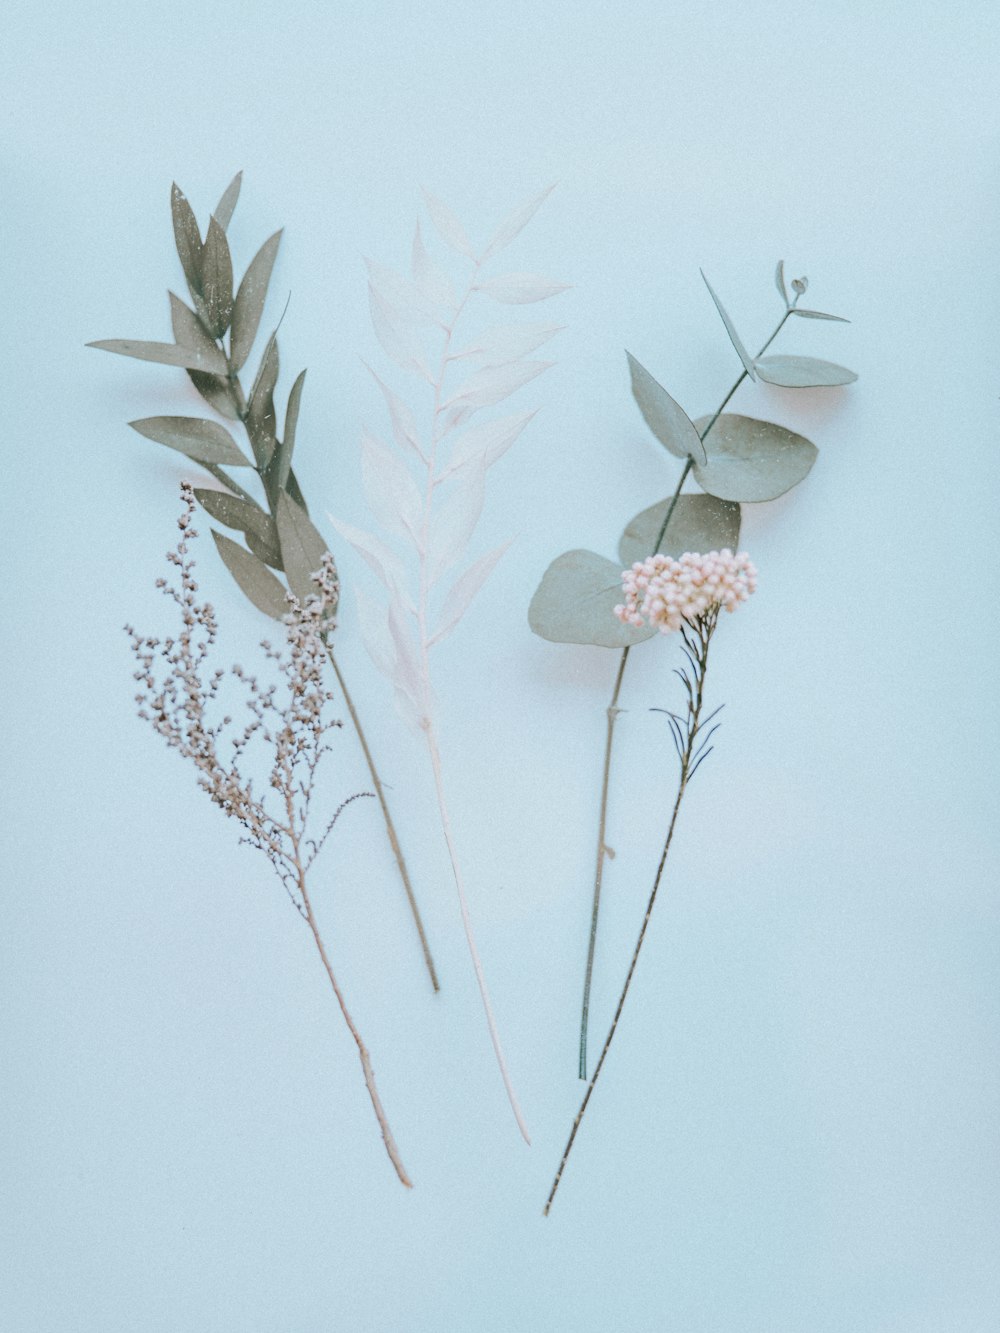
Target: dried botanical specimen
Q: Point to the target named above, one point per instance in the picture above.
(427, 491)
(179, 694)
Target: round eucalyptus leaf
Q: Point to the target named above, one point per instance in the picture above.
(699, 523)
(751, 460)
(575, 602)
(802, 372)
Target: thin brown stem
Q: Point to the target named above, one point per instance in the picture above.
(613, 711)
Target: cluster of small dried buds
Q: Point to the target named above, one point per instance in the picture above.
(178, 692)
(664, 593)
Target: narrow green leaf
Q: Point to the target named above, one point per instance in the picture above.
(665, 418)
(258, 528)
(250, 300)
(295, 491)
(575, 602)
(187, 238)
(215, 391)
(190, 332)
(803, 372)
(281, 460)
(779, 281)
(302, 547)
(818, 314)
(217, 279)
(204, 441)
(734, 337)
(261, 417)
(224, 212)
(166, 354)
(751, 460)
(254, 578)
(699, 523)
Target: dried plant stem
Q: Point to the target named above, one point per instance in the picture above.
(428, 722)
(366, 1064)
(613, 711)
(690, 757)
(240, 405)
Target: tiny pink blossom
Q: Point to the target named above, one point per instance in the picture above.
(664, 592)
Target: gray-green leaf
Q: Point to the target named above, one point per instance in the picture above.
(665, 418)
(190, 332)
(224, 212)
(217, 279)
(779, 281)
(258, 528)
(699, 523)
(734, 337)
(575, 601)
(204, 441)
(250, 300)
(802, 372)
(281, 460)
(751, 460)
(261, 419)
(302, 547)
(187, 238)
(818, 314)
(254, 578)
(166, 354)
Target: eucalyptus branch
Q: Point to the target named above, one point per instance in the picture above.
(279, 534)
(178, 694)
(613, 710)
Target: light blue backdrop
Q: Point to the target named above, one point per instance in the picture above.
(797, 1132)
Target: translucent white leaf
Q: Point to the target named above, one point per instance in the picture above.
(407, 674)
(508, 342)
(409, 710)
(373, 623)
(490, 386)
(448, 226)
(385, 563)
(404, 427)
(462, 591)
(402, 298)
(398, 343)
(431, 279)
(487, 442)
(454, 419)
(515, 224)
(456, 519)
(521, 288)
(391, 492)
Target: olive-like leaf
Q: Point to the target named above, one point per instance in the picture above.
(802, 372)
(187, 238)
(204, 441)
(190, 332)
(295, 491)
(215, 391)
(779, 281)
(575, 602)
(734, 337)
(224, 211)
(165, 354)
(699, 523)
(254, 578)
(818, 314)
(281, 459)
(247, 518)
(261, 417)
(217, 279)
(665, 418)
(302, 547)
(250, 300)
(751, 460)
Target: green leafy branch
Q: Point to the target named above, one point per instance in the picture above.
(735, 459)
(280, 537)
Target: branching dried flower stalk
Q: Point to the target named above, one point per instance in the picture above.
(177, 693)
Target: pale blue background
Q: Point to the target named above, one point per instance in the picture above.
(798, 1128)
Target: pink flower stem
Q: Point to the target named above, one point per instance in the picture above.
(612, 712)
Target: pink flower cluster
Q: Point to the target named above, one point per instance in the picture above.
(664, 592)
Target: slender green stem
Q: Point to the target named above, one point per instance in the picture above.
(242, 410)
(702, 634)
(613, 711)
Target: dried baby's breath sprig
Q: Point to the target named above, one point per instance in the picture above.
(686, 595)
(179, 690)
(213, 339)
